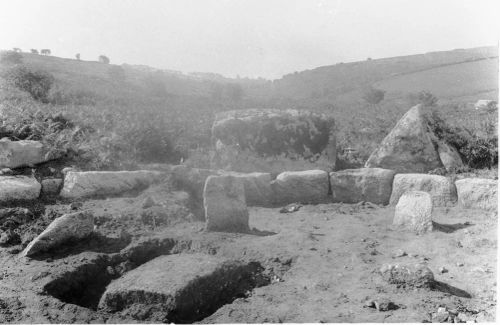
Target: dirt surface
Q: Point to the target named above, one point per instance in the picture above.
(319, 264)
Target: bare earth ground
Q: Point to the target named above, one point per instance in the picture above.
(321, 263)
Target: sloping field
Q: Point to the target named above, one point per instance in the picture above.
(468, 80)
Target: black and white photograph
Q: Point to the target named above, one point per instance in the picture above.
(249, 161)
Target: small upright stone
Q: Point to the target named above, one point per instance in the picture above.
(414, 212)
(225, 205)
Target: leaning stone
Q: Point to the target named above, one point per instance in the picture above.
(14, 154)
(449, 157)
(414, 212)
(257, 187)
(411, 275)
(180, 288)
(310, 186)
(106, 183)
(225, 205)
(18, 188)
(66, 228)
(409, 147)
(477, 193)
(365, 184)
(51, 186)
(441, 189)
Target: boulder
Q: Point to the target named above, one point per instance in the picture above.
(477, 193)
(18, 188)
(411, 275)
(272, 140)
(257, 188)
(365, 184)
(414, 212)
(180, 288)
(51, 186)
(225, 205)
(441, 188)
(450, 158)
(409, 147)
(106, 183)
(14, 154)
(310, 186)
(69, 227)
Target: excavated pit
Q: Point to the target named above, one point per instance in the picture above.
(86, 284)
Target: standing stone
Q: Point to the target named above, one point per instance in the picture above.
(441, 188)
(309, 186)
(365, 184)
(66, 228)
(106, 183)
(272, 140)
(257, 188)
(18, 188)
(477, 193)
(225, 205)
(408, 148)
(414, 212)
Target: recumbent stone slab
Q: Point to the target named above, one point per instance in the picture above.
(309, 186)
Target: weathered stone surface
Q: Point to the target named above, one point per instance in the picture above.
(257, 187)
(22, 188)
(441, 188)
(66, 228)
(225, 205)
(180, 288)
(51, 186)
(449, 156)
(408, 148)
(411, 275)
(414, 212)
(15, 154)
(364, 184)
(310, 186)
(477, 193)
(106, 183)
(271, 140)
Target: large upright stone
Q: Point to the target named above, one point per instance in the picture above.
(271, 140)
(68, 227)
(309, 186)
(257, 187)
(106, 183)
(180, 288)
(18, 188)
(414, 212)
(477, 193)
(225, 205)
(408, 148)
(14, 154)
(441, 188)
(365, 184)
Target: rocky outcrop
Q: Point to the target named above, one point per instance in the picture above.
(477, 193)
(14, 154)
(310, 186)
(180, 288)
(365, 184)
(271, 140)
(441, 188)
(257, 188)
(68, 227)
(414, 212)
(412, 147)
(225, 205)
(106, 183)
(18, 188)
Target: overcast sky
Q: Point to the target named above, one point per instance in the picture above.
(266, 38)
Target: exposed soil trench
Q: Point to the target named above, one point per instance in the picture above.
(86, 284)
